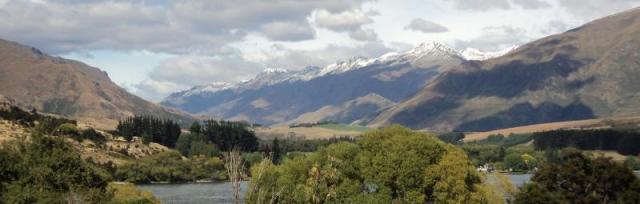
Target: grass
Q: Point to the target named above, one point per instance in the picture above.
(343, 127)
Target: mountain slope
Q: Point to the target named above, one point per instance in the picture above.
(357, 111)
(587, 72)
(69, 88)
(279, 96)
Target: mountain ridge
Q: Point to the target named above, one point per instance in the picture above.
(393, 76)
(586, 72)
(70, 88)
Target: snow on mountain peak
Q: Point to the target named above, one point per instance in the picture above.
(211, 87)
(432, 48)
(275, 70)
(475, 54)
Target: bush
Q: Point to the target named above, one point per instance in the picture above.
(93, 135)
(67, 129)
(129, 193)
(48, 170)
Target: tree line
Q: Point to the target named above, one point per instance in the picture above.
(150, 129)
(626, 143)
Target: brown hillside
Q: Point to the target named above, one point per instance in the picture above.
(69, 88)
(587, 72)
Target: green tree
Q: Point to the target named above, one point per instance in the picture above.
(632, 163)
(276, 151)
(195, 128)
(389, 165)
(514, 162)
(579, 179)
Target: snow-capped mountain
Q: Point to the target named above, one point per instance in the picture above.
(212, 87)
(280, 95)
(475, 54)
(270, 76)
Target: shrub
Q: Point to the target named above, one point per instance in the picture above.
(48, 170)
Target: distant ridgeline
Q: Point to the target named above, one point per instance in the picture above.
(624, 142)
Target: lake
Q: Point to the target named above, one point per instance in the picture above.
(195, 193)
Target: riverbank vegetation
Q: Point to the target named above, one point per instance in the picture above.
(393, 164)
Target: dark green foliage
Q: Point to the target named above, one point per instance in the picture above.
(301, 145)
(195, 128)
(276, 152)
(146, 138)
(169, 166)
(626, 143)
(19, 116)
(194, 144)
(514, 162)
(483, 154)
(452, 137)
(48, 170)
(89, 134)
(251, 158)
(165, 132)
(46, 124)
(579, 179)
(228, 135)
(632, 163)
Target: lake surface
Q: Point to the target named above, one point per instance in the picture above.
(195, 193)
(519, 179)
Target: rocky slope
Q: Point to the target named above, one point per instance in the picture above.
(587, 72)
(347, 91)
(64, 87)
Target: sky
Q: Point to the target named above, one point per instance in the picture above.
(156, 47)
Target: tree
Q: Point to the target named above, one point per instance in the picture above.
(452, 137)
(514, 162)
(389, 165)
(276, 155)
(195, 128)
(632, 163)
(580, 179)
(146, 138)
(165, 132)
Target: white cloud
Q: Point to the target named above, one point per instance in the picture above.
(279, 56)
(288, 31)
(364, 35)
(495, 38)
(178, 27)
(345, 21)
(425, 26)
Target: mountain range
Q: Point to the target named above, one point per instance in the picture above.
(32, 79)
(587, 72)
(351, 91)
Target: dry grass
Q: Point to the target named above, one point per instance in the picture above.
(533, 128)
(302, 133)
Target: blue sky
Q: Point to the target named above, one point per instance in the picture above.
(154, 48)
